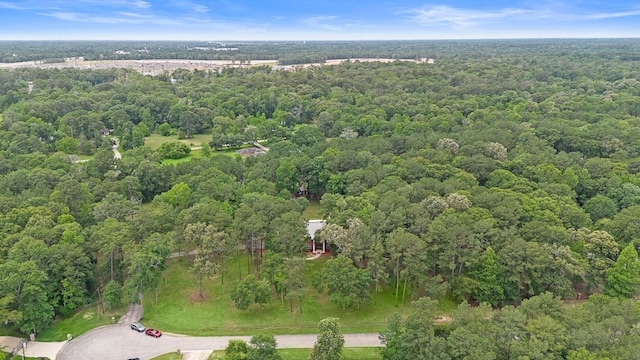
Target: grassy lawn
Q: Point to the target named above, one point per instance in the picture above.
(170, 356)
(78, 324)
(312, 212)
(193, 155)
(179, 309)
(85, 157)
(347, 353)
(155, 140)
(303, 354)
(19, 357)
(8, 331)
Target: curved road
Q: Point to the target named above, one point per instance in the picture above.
(119, 342)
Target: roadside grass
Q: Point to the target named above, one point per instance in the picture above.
(170, 356)
(347, 354)
(312, 212)
(19, 357)
(8, 331)
(303, 354)
(181, 311)
(78, 324)
(155, 140)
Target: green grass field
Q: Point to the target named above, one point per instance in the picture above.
(179, 309)
(195, 154)
(78, 324)
(312, 212)
(303, 354)
(155, 140)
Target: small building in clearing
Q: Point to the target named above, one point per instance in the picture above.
(312, 227)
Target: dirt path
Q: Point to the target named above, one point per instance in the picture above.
(116, 153)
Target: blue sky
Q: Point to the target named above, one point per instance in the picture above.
(314, 20)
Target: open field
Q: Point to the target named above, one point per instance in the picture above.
(179, 309)
(155, 140)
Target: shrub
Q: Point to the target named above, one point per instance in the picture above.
(174, 150)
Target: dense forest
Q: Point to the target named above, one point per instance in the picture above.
(500, 172)
(301, 52)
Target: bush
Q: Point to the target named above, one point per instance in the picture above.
(174, 150)
(164, 129)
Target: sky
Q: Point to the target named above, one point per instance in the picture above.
(217, 20)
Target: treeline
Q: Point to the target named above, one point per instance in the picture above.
(303, 52)
(540, 328)
(483, 179)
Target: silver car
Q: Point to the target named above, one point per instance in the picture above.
(137, 327)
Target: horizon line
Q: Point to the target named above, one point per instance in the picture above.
(342, 40)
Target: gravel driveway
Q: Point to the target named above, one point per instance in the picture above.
(119, 342)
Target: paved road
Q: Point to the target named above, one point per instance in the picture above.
(119, 342)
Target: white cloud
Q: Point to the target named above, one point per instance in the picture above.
(615, 14)
(115, 18)
(439, 15)
(445, 15)
(140, 4)
(327, 22)
(190, 6)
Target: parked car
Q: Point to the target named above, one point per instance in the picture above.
(138, 327)
(153, 332)
(134, 359)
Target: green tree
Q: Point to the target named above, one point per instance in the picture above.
(263, 347)
(472, 333)
(236, 350)
(26, 285)
(112, 295)
(206, 150)
(330, 341)
(178, 196)
(294, 282)
(174, 150)
(419, 340)
(391, 339)
(488, 274)
(146, 265)
(207, 239)
(287, 177)
(250, 291)
(7, 313)
(164, 129)
(347, 285)
(623, 279)
(273, 270)
(288, 234)
(599, 207)
(67, 145)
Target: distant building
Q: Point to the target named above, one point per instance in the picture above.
(312, 227)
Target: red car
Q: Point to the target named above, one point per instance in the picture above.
(153, 332)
